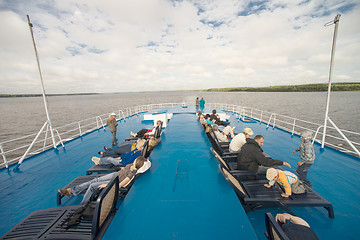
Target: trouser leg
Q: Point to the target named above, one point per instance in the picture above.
(109, 160)
(302, 173)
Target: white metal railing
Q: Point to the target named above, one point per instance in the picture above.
(12, 150)
(296, 126)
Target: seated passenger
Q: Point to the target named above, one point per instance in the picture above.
(296, 228)
(220, 136)
(146, 132)
(229, 131)
(287, 179)
(251, 157)
(240, 139)
(122, 148)
(214, 117)
(125, 174)
(126, 158)
(208, 119)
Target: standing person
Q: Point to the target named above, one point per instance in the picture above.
(240, 139)
(307, 156)
(202, 104)
(112, 123)
(197, 102)
(251, 157)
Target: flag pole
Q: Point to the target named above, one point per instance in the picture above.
(48, 122)
(336, 22)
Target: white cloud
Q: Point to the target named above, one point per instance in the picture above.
(140, 45)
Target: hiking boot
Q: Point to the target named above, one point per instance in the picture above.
(96, 160)
(65, 191)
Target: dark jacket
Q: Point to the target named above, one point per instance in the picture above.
(251, 156)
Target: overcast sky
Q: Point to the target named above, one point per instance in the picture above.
(151, 45)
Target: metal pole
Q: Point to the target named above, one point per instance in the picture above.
(336, 22)
(42, 84)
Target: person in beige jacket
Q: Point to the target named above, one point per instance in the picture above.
(112, 123)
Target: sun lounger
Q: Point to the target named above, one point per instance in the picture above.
(222, 150)
(157, 134)
(145, 152)
(48, 223)
(232, 167)
(253, 194)
(122, 191)
(273, 229)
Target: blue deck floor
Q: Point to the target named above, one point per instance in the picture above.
(183, 195)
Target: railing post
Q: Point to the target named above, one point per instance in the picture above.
(3, 155)
(293, 129)
(80, 133)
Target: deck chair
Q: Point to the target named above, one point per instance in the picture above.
(122, 191)
(252, 194)
(145, 152)
(47, 223)
(221, 150)
(273, 229)
(157, 134)
(232, 167)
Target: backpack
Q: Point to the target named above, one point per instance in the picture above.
(86, 211)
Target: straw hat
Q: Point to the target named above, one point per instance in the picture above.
(248, 131)
(271, 173)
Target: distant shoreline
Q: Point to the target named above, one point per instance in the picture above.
(318, 87)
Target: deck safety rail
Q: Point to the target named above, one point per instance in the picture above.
(12, 150)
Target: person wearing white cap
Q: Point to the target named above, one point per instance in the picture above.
(240, 139)
(112, 123)
(287, 179)
(307, 156)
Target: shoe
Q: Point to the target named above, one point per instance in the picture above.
(96, 160)
(65, 191)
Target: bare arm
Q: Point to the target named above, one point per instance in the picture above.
(287, 217)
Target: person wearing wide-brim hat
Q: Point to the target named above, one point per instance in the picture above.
(112, 123)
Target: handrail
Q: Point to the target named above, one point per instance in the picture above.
(10, 150)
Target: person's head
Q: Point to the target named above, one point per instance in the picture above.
(271, 174)
(113, 115)
(215, 127)
(248, 132)
(140, 143)
(139, 162)
(153, 142)
(307, 135)
(259, 139)
(158, 122)
(214, 111)
(207, 116)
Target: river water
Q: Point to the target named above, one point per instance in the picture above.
(26, 115)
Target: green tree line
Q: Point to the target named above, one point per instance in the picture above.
(319, 87)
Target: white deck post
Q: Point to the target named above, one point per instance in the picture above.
(336, 22)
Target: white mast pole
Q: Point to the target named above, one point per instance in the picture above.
(336, 22)
(42, 83)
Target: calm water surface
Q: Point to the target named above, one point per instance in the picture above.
(23, 116)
